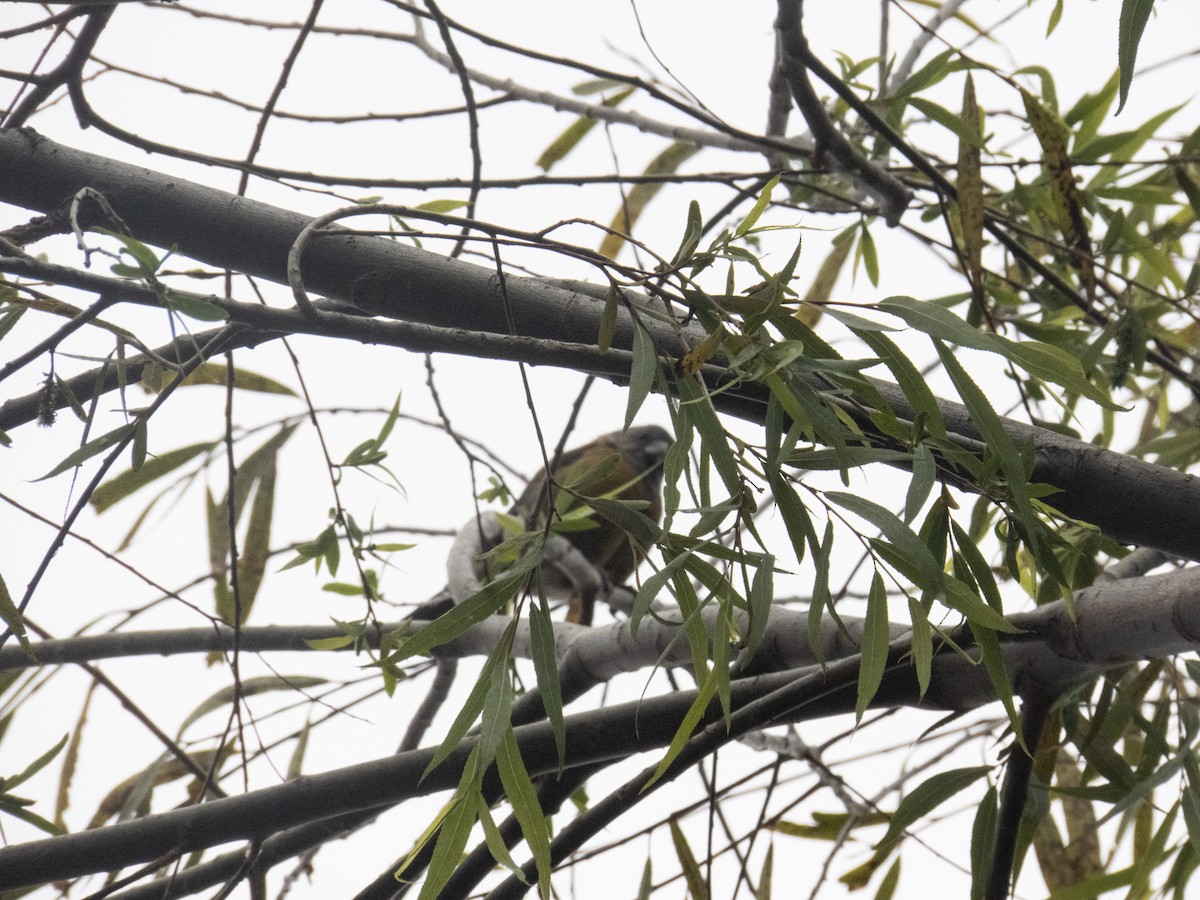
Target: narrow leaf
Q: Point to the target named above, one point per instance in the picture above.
(983, 839)
(640, 195)
(523, 797)
(995, 437)
(641, 378)
(970, 192)
(926, 797)
(686, 728)
(874, 646)
(1134, 16)
(121, 486)
(692, 874)
(13, 621)
(545, 665)
(243, 379)
(903, 538)
(94, 447)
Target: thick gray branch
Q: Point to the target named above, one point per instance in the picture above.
(1116, 624)
(1131, 500)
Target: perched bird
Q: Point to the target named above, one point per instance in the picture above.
(623, 465)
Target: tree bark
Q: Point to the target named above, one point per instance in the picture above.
(1129, 499)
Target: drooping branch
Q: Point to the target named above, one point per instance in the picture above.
(1131, 500)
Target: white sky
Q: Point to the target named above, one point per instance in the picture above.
(721, 53)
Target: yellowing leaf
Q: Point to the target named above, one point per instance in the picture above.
(970, 194)
(1068, 209)
(640, 195)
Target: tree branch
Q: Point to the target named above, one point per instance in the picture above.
(1129, 499)
(1115, 624)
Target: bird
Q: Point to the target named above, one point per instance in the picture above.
(621, 465)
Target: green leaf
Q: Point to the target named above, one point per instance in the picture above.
(924, 474)
(193, 307)
(608, 319)
(1134, 15)
(966, 132)
(248, 687)
(962, 599)
(121, 486)
(693, 625)
(391, 547)
(523, 797)
(343, 588)
(641, 378)
(243, 379)
(452, 840)
(760, 205)
(981, 572)
(545, 665)
(925, 798)
(983, 839)
(1051, 24)
(889, 882)
(922, 643)
(94, 447)
(690, 720)
(821, 599)
(650, 589)
(994, 436)
(496, 715)
(936, 321)
(691, 235)
(901, 537)
(762, 592)
(34, 767)
(441, 206)
(876, 636)
(578, 130)
(138, 451)
(870, 258)
(795, 516)
(713, 439)
(914, 385)
(646, 885)
(929, 74)
(147, 260)
(1191, 798)
(11, 616)
(462, 616)
(256, 547)
(494, 668)
(693, 876)
(495, 840)
(296, 763)
(766, 877)
(835, 461)
(331, 643)
(1053, 364)
(992, 655)
(7, 805)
